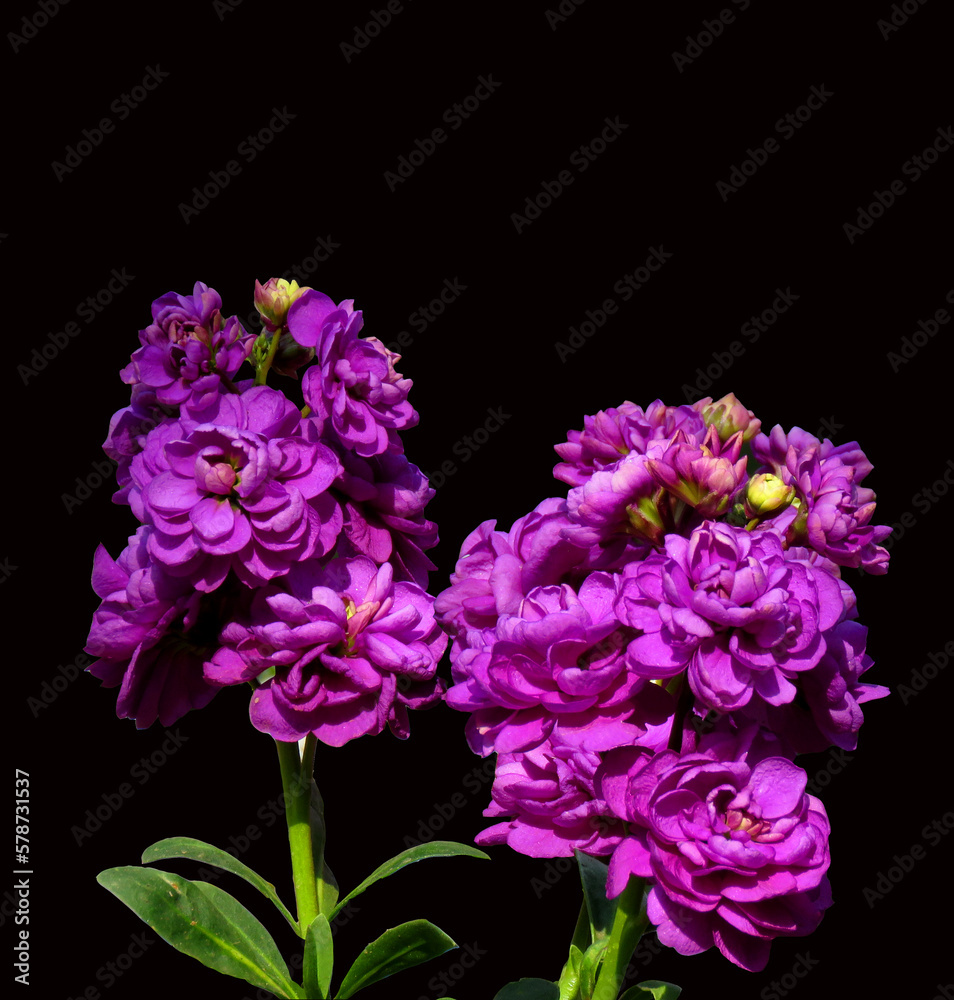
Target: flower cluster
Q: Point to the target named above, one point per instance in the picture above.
(649, 654)
(278, 545)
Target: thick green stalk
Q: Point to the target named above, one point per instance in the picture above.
(261, 371)
(296, 784)
(628, 926)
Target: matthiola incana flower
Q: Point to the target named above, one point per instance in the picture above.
(556, 666)
(152, 634)
(548, 792)
(736, 851)
(835, 510)
(235, 485)
(188, 339)
(732, 608)
(345, 651)
(353, 385)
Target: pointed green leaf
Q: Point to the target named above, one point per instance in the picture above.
(654, 988)
(600, 909)
(205, 922)
(590, 964)
(569, 984)
(319, 958)
(437, 849)
(327, 892)
(197, 850)
(397, 948)
(529, 989)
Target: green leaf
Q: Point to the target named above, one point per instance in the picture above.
(600, 909)
(197, 850)
(529, 989)
(654, 988)
(437, 849)
(397, 948)
(569, 984)
(590, 965)
(205, 922)
(319, 958)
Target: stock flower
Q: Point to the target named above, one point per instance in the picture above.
(835, 510)
(346, 651)
(352, 386)
(736, 849)
(187, 340)
(703, 475)
(548, 792)
(730, 606)
(497, 569)
(555, 667)
(828, 710)
(152, 633)
(382, 501)
(727, 416)
(274, 299)
(612, 434)
(234, 484)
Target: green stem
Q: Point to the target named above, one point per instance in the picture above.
(296, 784)
(261, 373)
(628, 926)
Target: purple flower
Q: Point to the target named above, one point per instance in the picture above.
(828, 711)
(382, 500)
(736, 849)
(612, 434)
(234, 484)
(496, 570)
(152, 634)
(549, 793)
(353, 386)
(835, 509)
(557, 667)
(732, 607)
(348, 649)
(704, 476)
(187, 340)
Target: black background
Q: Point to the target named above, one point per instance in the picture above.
(823, 365)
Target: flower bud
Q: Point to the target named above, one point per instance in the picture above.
(728, 416)
(273, 300)
(290, 356)
(766, 495)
